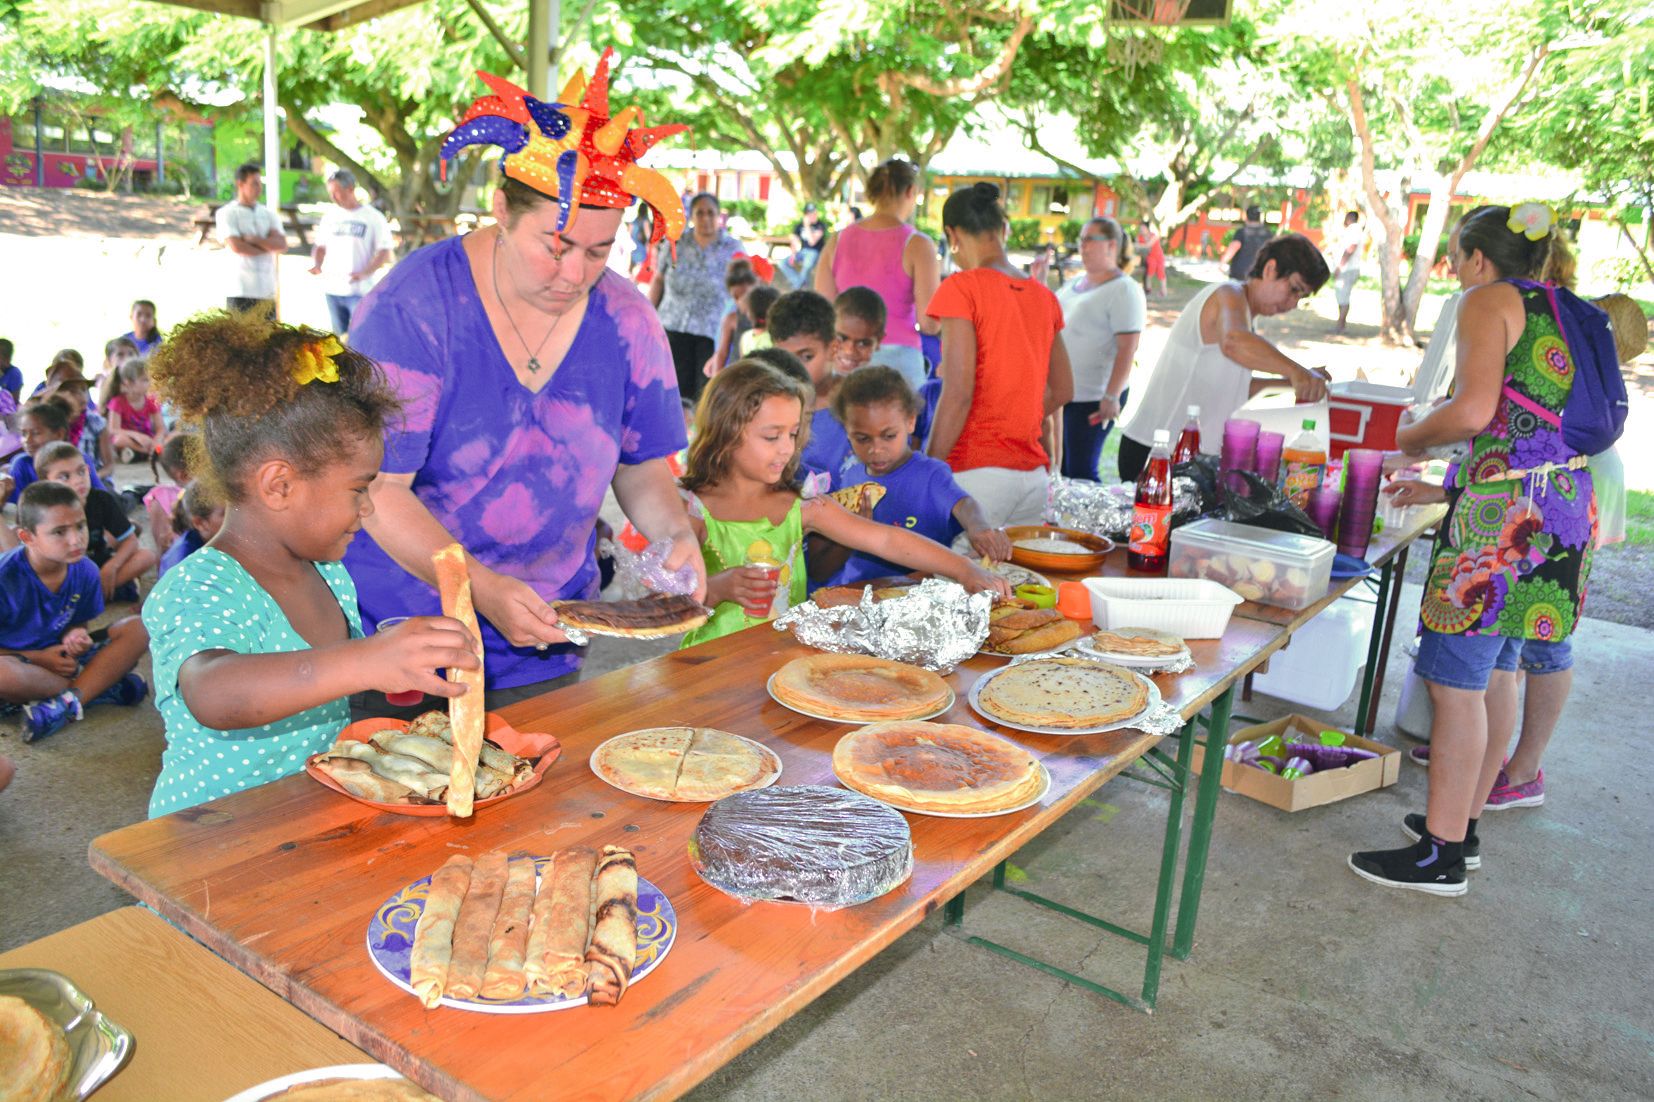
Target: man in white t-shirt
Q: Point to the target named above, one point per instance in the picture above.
(1346, 268)
(253, 233)
(352, 243)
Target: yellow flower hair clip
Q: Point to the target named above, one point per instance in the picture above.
(1531, 219)
(316, 362)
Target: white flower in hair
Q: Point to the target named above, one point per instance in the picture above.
(1531, 219)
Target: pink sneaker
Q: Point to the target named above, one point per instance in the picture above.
(1506, 795)
(1420, 755)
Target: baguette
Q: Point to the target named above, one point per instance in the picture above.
(465, 713)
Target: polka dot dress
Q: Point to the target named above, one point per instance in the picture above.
(210, 602)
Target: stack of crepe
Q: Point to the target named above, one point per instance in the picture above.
(414, 766)
(486, 930)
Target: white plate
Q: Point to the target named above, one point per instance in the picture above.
(976, 706)
(1134, 661)
(769, 687)
(315, 1075)
(768, 754)
(1024, 806)
(1052, 653)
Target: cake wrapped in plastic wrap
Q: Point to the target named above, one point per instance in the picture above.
(935, 624)
(1106, 510)
(827, 847)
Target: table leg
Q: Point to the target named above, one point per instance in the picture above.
(1200, 831)
(1374, 638)
(1371, 715)
(1168, 866)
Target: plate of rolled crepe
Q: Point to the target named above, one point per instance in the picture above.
(524, 934)
(404, 767)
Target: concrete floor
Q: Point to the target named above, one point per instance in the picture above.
(1305, 981)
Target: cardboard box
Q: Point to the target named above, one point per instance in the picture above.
(1314, 789)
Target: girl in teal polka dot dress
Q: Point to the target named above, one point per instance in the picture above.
(256, 638)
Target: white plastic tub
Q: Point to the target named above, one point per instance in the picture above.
(1318, 668)
(1193, 608)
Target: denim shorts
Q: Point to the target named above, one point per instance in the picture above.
(1467, 661)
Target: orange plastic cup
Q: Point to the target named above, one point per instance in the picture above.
(1074, 600)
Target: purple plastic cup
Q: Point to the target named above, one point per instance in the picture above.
(1363, 466)
(1268, 455)
(1355, 513)
(1323, 510)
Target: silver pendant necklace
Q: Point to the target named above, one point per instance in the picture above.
(533, 364)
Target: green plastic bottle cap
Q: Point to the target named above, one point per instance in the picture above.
(1332, 738)
(1309, 423)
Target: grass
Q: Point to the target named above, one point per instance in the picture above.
(1639, 518)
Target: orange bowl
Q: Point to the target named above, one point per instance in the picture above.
(1048, 560)
(538, 748)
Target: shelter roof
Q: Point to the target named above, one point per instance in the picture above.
(315, 15)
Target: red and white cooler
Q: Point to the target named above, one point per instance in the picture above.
(1364, 415)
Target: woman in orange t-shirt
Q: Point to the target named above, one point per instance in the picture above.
(1004, 369)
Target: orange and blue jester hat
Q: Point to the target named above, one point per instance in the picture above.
(573, 151)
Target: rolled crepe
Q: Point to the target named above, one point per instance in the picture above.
(359, 779)
(404, 770)
(562, 924)
(433, 944)
(490, 755)
(475, 926)
(506, 977)
(613, 949)
(432, 751)
(465, 713)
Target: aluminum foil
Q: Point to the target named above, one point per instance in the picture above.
(935, 624)
(1161, 720)
(812, 844)
(1106, 510)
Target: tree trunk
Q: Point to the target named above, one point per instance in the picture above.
(1430, 231)
(1394, 326)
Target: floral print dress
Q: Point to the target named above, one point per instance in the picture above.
(1513, 555)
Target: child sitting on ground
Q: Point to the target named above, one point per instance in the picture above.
(258, 639)
(135, 423)
(802, 322)
(878, 408)
(159, 502)
(146, 333)
(88, 430)
(745, 504)
(49, 662)
(195, 520)
(111, 541)
(42, 421)
(756, 308)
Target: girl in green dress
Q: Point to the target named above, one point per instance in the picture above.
(256, 637)
(748, 512)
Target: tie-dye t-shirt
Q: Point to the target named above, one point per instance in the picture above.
(517, 477)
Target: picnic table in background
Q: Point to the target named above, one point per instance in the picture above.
(292, 219)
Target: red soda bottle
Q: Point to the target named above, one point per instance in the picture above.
(1188, 441)
(1151, 515)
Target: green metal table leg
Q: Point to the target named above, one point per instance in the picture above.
(1200, 832)
(1374, 641)
(1168, 868)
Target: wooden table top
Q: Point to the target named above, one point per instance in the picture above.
(203, 1031)
(283, 879)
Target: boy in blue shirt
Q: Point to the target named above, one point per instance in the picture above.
(878, 410)
(802, 322)
(49, 663)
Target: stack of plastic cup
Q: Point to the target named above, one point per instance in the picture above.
(1239, 453)
(1363, 472)
(1268, 455)
(1322, 508)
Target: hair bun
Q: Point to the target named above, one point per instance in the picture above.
(986, 190)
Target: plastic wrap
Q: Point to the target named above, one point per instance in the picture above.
(1106, 510)
(935, 624)
(641, 573)
(827, 847)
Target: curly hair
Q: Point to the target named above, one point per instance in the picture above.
(232, 376)
(874, 385)
(728, 404)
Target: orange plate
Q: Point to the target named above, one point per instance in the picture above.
(524, 744)
(1062, 564)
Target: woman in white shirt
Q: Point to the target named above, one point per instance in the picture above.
(1103, 312)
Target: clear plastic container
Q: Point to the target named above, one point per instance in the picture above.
(1189, 608)
(1272, 568)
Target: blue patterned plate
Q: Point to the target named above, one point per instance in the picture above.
(391, 932)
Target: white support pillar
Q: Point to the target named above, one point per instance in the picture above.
(544, 22)
(272, 143)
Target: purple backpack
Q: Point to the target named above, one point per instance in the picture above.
(1593, 417)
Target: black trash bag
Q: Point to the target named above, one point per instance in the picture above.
(1263, 505)
(1202, 470)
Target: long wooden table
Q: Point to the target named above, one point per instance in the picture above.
(281, 880)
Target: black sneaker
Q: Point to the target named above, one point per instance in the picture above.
(1413, 827)
(1420, 867)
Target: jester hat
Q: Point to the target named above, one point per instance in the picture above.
(573, 154)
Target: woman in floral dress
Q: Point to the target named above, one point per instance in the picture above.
(1508, 569)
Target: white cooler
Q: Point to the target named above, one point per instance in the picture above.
(1318, 668)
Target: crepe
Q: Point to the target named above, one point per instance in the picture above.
(435, 724)
(648, 618)
(859, 687)
(937, 767)
(411, 772)
(851, 496)
(562, 924)
(358, 778)
(1064, 693)
(475, 926)
(1138, 643)
(433, 944)
(506, 977)
(684, 764)
(355, 1090)
(613, 948)
(1054, 545)
(465, 712)
(35, 1059)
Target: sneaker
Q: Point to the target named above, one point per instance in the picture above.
(127, 692)
(49, 716)
(1419, 867)
(1506, 795)
(1420, 755)
(1413, 826)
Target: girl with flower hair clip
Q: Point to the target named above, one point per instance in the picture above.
(257, 639)
(1509, 565)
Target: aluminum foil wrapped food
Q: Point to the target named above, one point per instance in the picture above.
(1106, 510)
(934, 624)
(827, 847)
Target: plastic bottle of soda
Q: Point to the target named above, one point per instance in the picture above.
(1304, 461)
(1188, 441)
(1151, 515)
